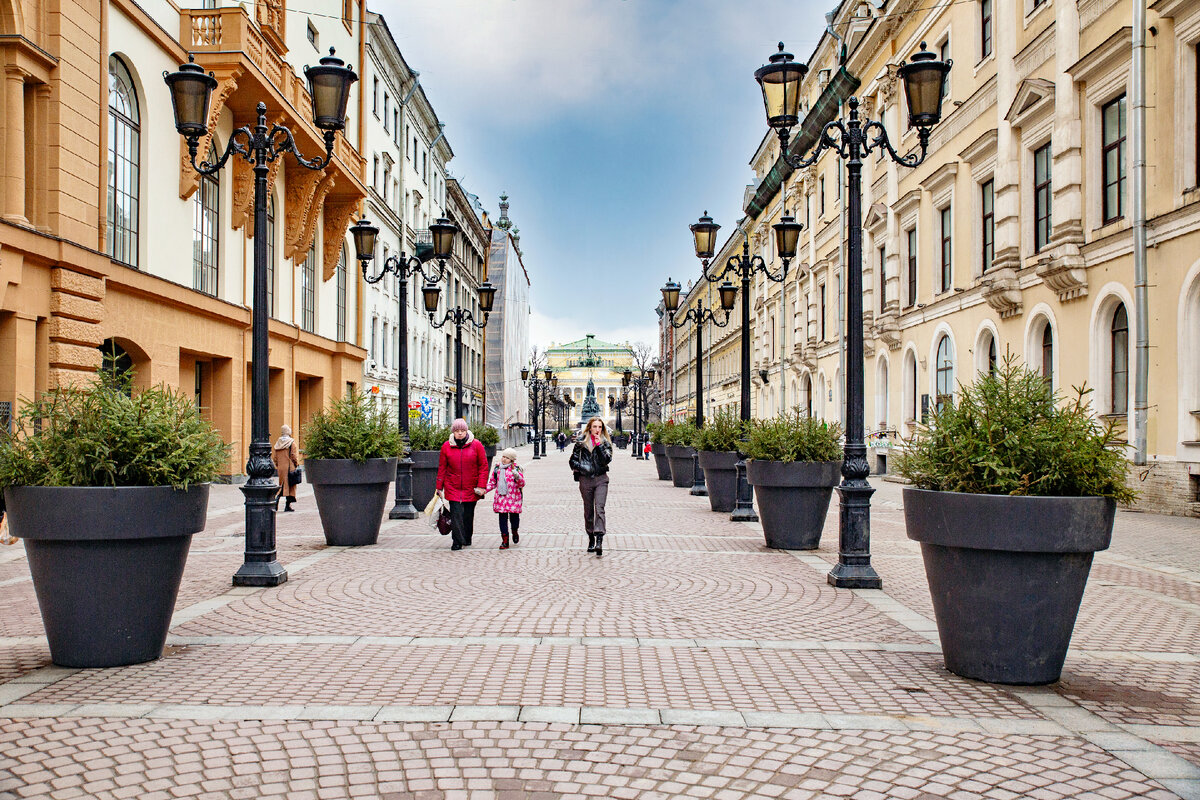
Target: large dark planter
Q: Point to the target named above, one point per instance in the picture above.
(1006, 575)
(490, 451)
(793, 499)
(621, 441)
(680, 456)
(106, 565)
(351, 497)
(720, 476)
(425, 467)
(661, 463)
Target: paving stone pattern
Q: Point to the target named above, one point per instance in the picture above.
(691, 661)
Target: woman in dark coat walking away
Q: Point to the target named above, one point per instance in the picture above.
(462, 479)
(589, 461)
(286, 457)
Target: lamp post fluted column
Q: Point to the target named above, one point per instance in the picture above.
(924, 80)
(191, 96)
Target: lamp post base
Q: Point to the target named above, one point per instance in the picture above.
(404, 508)
(743, 511)
(699, 489)
(261, 567)
(854, 570)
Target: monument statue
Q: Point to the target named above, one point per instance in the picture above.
(590, 407)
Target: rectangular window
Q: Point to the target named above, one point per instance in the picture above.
(374, 337)
(375, 97)
(396, 126)
(308, 290)
(313, 38)
(205, 235)
(947, 232)
(988, 204)
(912, 266)
(341, 296)
(387, 106)
(882, 279)
(821, 194)
(945, 56)
(985, 28)
(1042, 198)
(822, 312)
(1113, 120)
(375, 175)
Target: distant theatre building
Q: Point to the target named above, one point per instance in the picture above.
(1015, 235)
(590, 359)
(109, 238)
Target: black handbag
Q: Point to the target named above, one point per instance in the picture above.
(295, 476)
(443, 521)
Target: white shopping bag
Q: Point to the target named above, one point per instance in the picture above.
(432, 510)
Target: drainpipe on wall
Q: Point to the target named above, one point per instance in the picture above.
(1140, 289)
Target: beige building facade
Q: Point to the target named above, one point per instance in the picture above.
(108, 237)
(1015, 236)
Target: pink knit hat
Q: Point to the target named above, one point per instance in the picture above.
(459, 424)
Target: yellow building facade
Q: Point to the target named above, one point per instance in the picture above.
(1015, 236)
(109, 238)
(591, 359)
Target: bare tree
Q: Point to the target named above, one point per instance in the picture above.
(643, 356)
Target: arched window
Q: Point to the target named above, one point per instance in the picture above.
(205, 227)
(808, 398)
(1119, 365)
(1048, 353)
(341, 295)
(945, 371)
(271, 254)
(881, 394)
(991, 355)
(124, 164)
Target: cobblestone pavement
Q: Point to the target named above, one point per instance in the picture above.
(690, 661)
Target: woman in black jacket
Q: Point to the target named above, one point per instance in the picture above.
(589, 462)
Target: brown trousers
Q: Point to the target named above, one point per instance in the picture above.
(594, 492)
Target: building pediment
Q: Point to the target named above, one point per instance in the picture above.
(1034, 96)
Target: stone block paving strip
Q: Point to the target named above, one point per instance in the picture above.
(297, 760)
(690, 661)
(851, 682)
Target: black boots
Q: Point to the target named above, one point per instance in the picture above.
(599, 545)
(591, 543)
(288, 505)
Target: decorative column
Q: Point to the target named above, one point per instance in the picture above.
(14, 145)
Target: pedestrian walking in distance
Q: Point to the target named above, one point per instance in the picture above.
(462, 480)
(589, 462)
(508, 481)
(562, 441)
(286, 456)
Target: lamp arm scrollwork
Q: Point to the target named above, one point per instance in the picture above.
(234, 146)
(880, 139)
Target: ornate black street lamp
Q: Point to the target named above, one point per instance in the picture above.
(923, 78)
(699, 316)
(459, 316)
(704, 235)
(540, 391)
(191, 95)
(403, 267)
(640, 382)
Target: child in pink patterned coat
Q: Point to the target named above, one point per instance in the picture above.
(507, 480)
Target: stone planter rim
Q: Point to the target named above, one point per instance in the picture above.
(119, 512)
(680, 451)
(347, 470)
(658, 449)
(797, 474)
(1014, 523)
(718, 459)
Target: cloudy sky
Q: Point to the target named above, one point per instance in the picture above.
(611, 124)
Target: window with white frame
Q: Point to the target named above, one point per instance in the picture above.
(987, 205)
(1118, 365)
(944, 376)
(308, 290)
(1043, 198)
(124, 164)
(946, 233)
(341, 295)
(985, 29)
(1112, 167)
(205, 230)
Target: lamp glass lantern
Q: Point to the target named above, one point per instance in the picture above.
(443, 237)
(431, 293)
(924, 77)
(365, 235)
(487, 297)
(329, 85)
(191, 94)
(524, 374)
(548, 373)
(787, 236)
(728, 293)
(704, 231)
(627, 377)
(780, 83)
(670, 294)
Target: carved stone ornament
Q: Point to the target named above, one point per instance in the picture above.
(887, 85)
(1002, 291)
(1065, 273)
(300, 206)
(337, 222)
(887, 329)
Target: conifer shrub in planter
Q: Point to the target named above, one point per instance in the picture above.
(679, 438)
(425, 442)
(350, 453)
(621, 438)
(658, 449)
(717, 445)
(1013, 491)
(107, 485)
(793, 461)
(488, 436)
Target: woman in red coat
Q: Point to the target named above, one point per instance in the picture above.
(462, 479)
